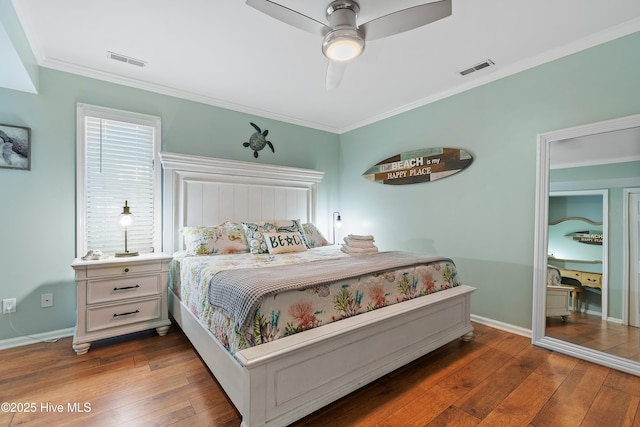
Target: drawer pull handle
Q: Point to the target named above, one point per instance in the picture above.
(126, 270)
(126, 314)
(126, 287)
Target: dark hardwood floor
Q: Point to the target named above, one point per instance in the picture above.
(498, 379)
(591, 331)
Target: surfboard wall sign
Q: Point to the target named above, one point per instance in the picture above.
(589, 237)
(425, 165)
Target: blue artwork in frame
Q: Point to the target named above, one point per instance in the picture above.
(15, 147)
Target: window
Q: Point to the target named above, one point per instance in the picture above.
(117, 162)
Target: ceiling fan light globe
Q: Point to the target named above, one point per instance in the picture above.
(343, 45)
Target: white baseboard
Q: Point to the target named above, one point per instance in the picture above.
(501, 326)
(35, 338)
(609, 319)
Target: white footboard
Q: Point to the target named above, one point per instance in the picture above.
(282, 381)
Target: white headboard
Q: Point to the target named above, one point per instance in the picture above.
(206, 191)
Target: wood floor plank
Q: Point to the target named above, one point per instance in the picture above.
(521, 406)
(569, 404)
(612, 408)
(636, 421)
(484, 398)
(424, 409)
(533, 357)
(453, 416)
(512, 344)
(620, 381)
(164, 416)
(215, 416)
(474, 373)
(365, 406)
(499, 379)
(429, 370)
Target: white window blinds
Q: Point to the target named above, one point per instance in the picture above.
(118, 152)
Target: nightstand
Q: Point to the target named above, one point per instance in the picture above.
(118, 296)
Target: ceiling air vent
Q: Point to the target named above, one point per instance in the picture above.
(477, 67)
(126, 59)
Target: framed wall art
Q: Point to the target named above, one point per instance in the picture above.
(15, 147)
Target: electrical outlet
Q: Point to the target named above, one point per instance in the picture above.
(46, 300)
(8, 305)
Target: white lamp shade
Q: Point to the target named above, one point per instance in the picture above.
(125, 220)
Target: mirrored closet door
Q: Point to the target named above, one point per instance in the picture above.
(585, 275)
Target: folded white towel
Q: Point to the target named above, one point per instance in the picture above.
(358, 243)
(355, 251)
(359, 237)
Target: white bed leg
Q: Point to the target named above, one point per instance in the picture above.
(467, 337)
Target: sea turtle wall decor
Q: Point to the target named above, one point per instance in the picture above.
(258, 140)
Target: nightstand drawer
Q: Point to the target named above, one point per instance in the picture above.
(124, 269)
(119, 289)
(122, 314)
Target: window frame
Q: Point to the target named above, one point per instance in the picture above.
(87, 110)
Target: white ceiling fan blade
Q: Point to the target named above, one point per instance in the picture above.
(406, 19)
(335, 71)
(289, 16)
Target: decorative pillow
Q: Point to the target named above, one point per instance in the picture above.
(554, 277)
(280, 243)
(314, 238)
(226, 238)
(291, 226)
(254, 232)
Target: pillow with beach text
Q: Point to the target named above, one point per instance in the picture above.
(281, 243)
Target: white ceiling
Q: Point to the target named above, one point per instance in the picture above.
(225, 53)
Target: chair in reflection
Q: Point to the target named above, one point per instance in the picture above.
(576, 294)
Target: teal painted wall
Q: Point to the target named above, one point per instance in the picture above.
(483, 217)
(37, 211)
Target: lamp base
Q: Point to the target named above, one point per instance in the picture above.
(126, 254)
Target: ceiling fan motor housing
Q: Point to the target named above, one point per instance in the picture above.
(344, 42)
(342, 5)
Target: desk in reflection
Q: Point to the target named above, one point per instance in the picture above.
(581, 281)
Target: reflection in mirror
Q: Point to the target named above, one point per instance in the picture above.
(575, 239)
(578, 247)
(585, 275)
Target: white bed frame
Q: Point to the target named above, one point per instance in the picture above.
(279, 382)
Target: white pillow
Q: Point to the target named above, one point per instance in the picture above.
(280, 243)
(291, 226)
(226, 238)
(314, 238)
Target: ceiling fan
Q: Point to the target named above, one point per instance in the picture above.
(344, 39)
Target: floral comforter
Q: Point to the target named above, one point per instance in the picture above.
(294, 311)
